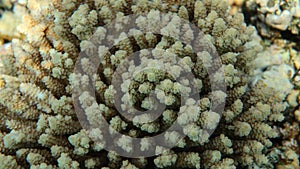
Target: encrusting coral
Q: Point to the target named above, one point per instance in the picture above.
(40, 127)
(272, 17)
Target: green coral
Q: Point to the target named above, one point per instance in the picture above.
(40, 127)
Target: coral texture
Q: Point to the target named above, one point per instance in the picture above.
(10, 17)
(39, 124)
(274, 16)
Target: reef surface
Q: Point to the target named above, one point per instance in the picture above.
(129, 84)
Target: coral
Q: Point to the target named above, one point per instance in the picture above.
(8, 24)
(284, 55)
(235, 6)
(41, 127)
(274, 16)
(10, 18)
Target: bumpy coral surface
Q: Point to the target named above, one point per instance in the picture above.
(42, 126)
(275, 16)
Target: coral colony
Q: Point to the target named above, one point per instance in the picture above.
(62, 107)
